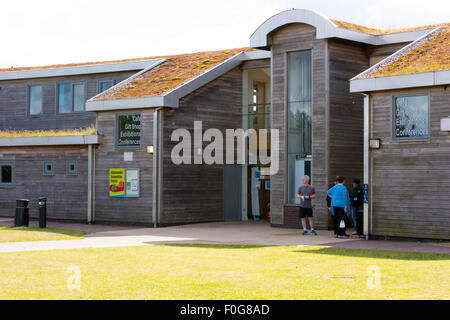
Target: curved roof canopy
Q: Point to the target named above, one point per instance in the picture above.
(327, 28)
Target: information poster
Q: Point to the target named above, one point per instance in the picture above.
(132, 183)
(117, 182)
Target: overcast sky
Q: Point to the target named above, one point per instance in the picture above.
(63, 31)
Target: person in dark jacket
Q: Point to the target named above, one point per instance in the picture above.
(357, 202)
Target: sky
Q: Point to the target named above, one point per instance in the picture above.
(53, 31)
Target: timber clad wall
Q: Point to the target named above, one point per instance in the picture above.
(346, 124)
(129, 210)
(14, 105)
(66, 194)
(194, 193)
(411, 180)
(293, 38)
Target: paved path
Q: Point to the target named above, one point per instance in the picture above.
(243, 233)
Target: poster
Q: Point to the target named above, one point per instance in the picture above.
(117, 182)
(132, 183)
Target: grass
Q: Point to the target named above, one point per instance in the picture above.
(8, 234)
(48, 133)
(222, 272)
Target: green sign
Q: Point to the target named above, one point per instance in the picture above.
(129, 130)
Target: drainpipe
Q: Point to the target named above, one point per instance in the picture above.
(156, 209)
(90, 180)
(367, 164)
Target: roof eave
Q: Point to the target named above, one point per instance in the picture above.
(426, 79)
(49, 141)
(77, 70)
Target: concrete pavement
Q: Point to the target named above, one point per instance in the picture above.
(237, 233)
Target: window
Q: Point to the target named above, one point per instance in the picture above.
(299, 120)
(104, 85)
(71, 168)
(128, 131)
(35, 100)
(6, 173)
(71, 97)
(48, 168)
(410, 117)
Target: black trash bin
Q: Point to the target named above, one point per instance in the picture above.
(42, 212)
(22, 217)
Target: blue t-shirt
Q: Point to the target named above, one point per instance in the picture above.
(339, 196)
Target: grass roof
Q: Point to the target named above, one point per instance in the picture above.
(47, 133)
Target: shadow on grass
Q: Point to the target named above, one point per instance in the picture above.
(63, 232)
(209, 246)
(377, 254)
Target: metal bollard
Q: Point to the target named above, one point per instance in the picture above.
(42, 212)
(22, 217)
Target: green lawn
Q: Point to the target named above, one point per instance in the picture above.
(8, 234)
(222, 272)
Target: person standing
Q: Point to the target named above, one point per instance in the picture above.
(305, 193)
(340, 203)
(357, 202)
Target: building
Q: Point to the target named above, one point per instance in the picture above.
(294, 78)
(408, 116)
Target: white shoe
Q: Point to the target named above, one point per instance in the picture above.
(355, 233)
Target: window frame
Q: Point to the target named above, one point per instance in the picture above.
(309, 158)
(114, 81)
(70, 172)
(72, 85)
(7, 163)
(29, 99)
(44, 168)
(116, 131)
(410, 139)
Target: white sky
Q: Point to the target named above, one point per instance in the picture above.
(63, 31)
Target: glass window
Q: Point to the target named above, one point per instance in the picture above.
(6, 173)
(299, 120)
(71, 168)
(71, 97)
(35, 100)
(78, 97)
(411, 117)
(105, 85)
(48, 168)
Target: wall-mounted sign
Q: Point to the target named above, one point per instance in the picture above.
(117, 182)
(128, 130)
(132, 183)
(411, 117)
(128, 156)
(366, 193)
(267, 185)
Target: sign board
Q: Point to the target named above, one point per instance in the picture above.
(132, 183)
(411, 117)
(267, 185)
(128, 156)
(366, 193)
(128, 130)
(117, 182)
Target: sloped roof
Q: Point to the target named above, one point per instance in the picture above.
(68, 65)
(175, 71)
(377, 32)
(428, 54)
